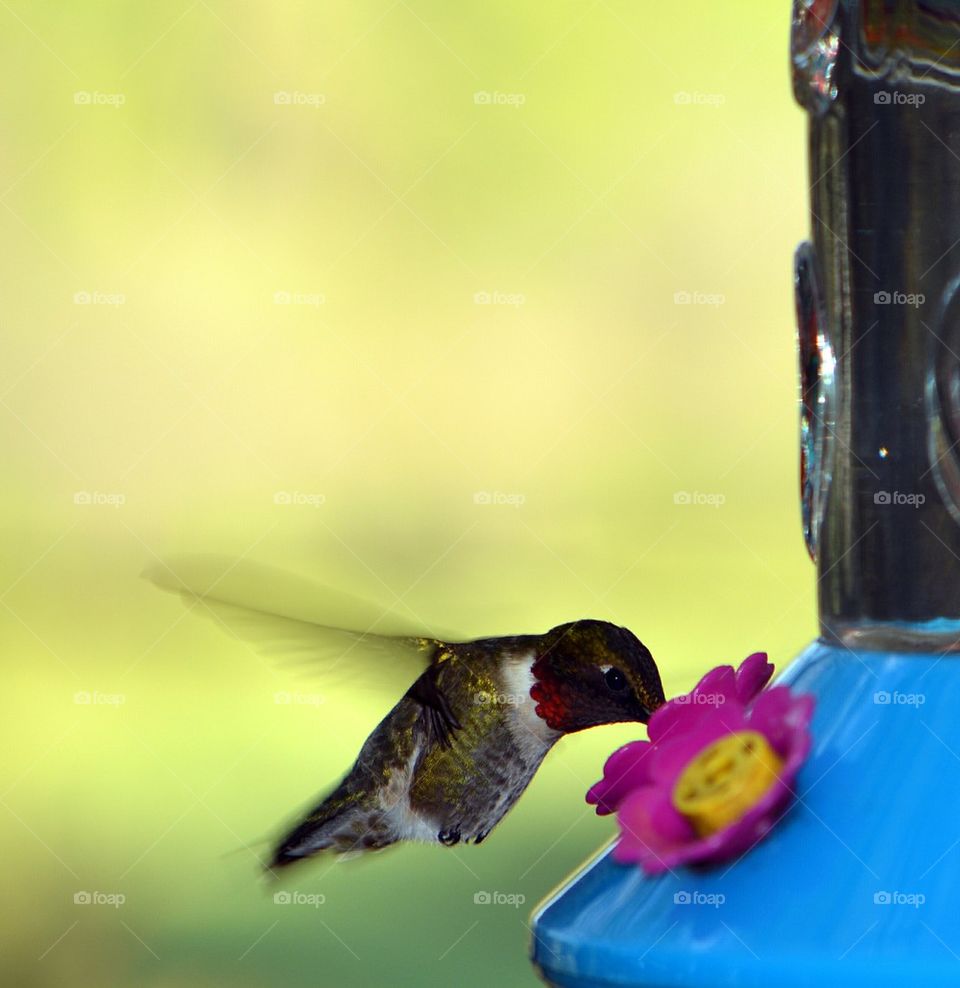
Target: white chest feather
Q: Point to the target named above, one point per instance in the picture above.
(531, 733)
(395, 803)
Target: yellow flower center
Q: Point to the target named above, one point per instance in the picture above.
(725, 779)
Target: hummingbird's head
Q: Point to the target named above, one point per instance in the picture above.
(592, 672)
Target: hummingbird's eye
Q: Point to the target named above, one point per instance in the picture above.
(615, 679)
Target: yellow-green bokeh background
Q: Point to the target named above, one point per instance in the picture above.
(397, 398)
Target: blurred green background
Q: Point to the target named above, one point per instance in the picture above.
(382, 261)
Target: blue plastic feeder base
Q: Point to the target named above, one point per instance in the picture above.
(859, 884)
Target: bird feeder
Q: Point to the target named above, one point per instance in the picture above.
(857, 884)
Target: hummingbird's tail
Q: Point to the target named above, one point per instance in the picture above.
(370, 808)
(345, 823)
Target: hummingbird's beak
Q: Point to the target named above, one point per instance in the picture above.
(648, 712)
(645, 714)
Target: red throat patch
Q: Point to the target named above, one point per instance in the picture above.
(552, 706)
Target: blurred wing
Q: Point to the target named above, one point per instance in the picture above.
(343, 638)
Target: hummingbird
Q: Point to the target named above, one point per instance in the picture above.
(464, 741)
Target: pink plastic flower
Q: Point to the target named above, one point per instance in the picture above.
(716, 775)
(625, 769)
